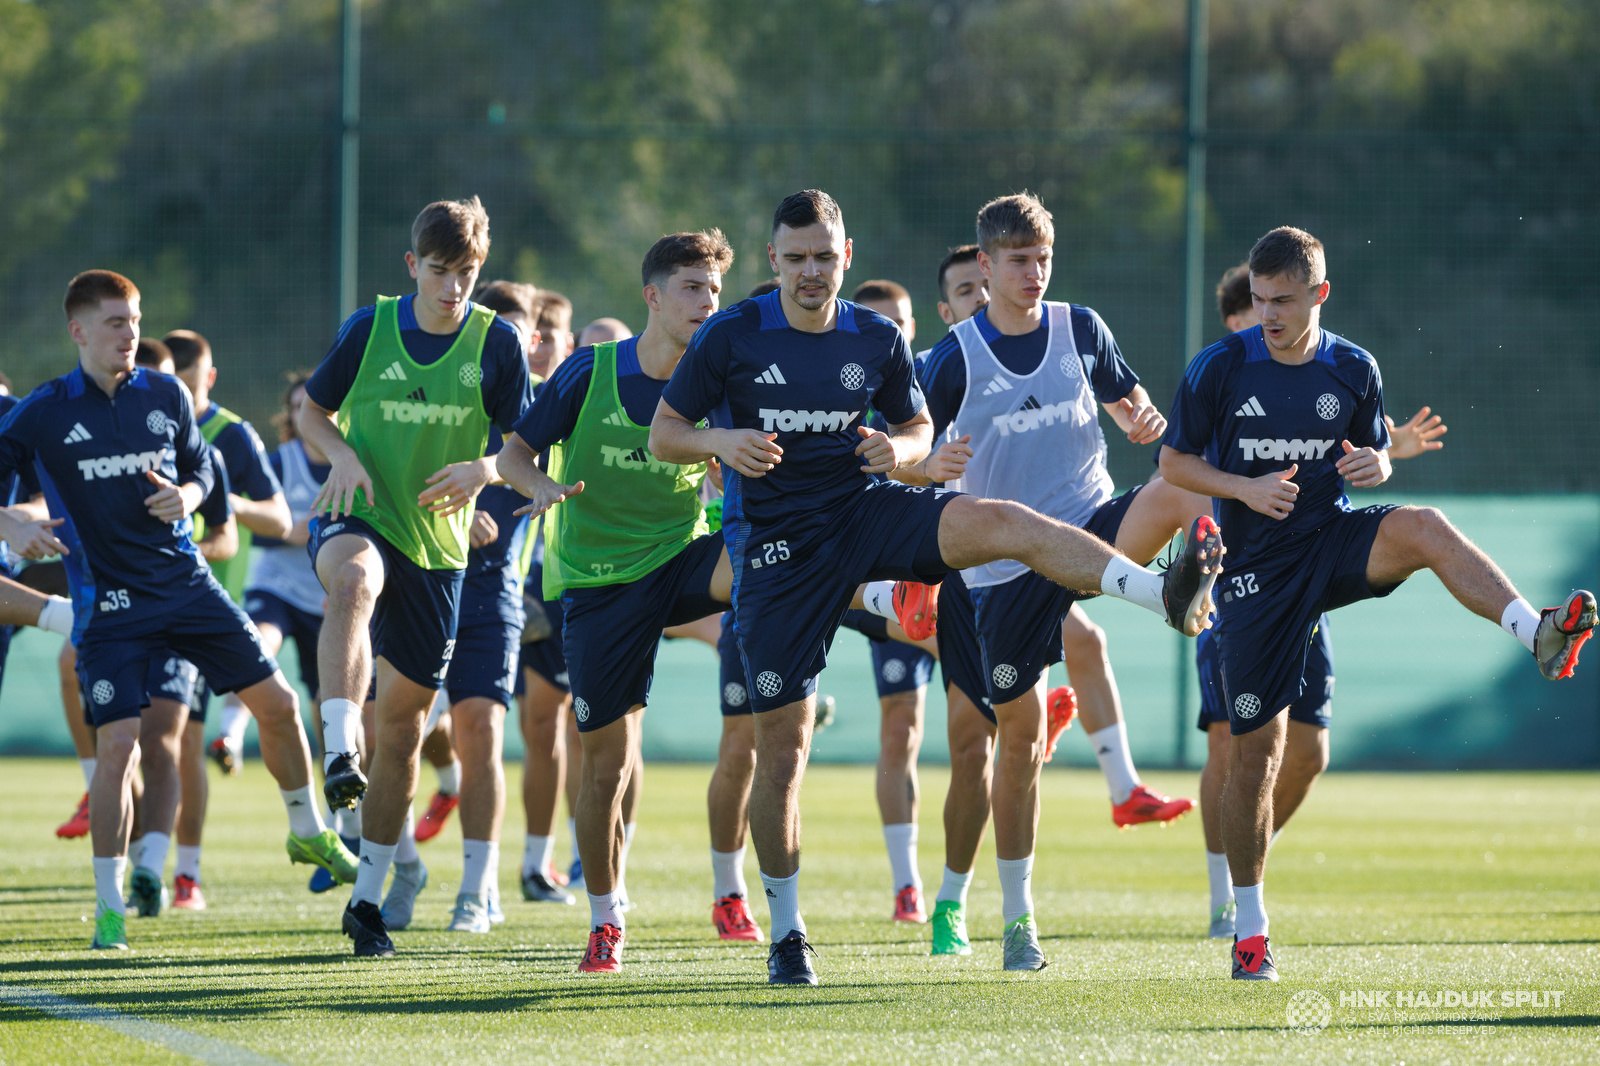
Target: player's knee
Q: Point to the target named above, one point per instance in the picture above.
(970, 762)
(1083, 645)
(351, 581)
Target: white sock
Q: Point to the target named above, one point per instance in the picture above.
(108, 874)
(536, 854)
(628, 830)
(450, 778)
(901, 841)
(783, 904)
(727, 874)
(350, 821)
(154, 856)
(341, 725)
(878, 596)
(1521, 621)
(480, 859)
(305, 818)
(370, 872)
(188, 862)
(1135, 584)
(406, 850)
(572, 833)
(605, 910)
(953, 889)
(56, 616)
(87, 766)
(1251, 917)
(1016, 888)
(234, 721)
(1221, 880)
(136, 852)
(1111, 749)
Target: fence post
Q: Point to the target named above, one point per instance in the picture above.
(1194, 304)
(349, 222)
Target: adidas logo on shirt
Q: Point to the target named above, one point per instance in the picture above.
(771, 376)
(612, 419)
(78, 434)
(416, 394)
(1252, 407)
(996, 385)
(1031, 404)
(396, 372)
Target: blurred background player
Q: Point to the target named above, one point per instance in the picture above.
(1306, 745)
(403, 407)
(556, 341)
(601, 330)
(137, 556)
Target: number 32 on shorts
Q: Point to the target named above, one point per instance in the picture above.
(770, 553)
(1243, 585)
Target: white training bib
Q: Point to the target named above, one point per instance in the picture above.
(285, 570)
(1035, 438)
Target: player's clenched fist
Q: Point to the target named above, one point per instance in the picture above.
(1272, 494)
(749, 452)
(948, 461)
(1147, 424)
(877, 450)
(171, 503)
(1364, 467)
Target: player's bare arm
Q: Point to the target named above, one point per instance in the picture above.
(1270, 494)
(674, 439)
(1420, 434)
(220, 543)
(266, 518)
(947, 462)
(1136, 416)
(338, 495)
(1364, 467)
(518, 466)
(905, 444)
(452, 487)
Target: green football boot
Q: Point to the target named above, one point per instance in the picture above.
(110, 929)
(327, 851)
(950, 929)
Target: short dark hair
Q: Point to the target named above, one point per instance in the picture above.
(152, 353)
(452, 231)
(770, 285)
(966, 253)
(90, 287)
(507, 298)
(1233, 292)
(806, 208)
(555, 311)
(1015, 221)
(187, 348)
(1287, 250)
(880, 289)
(705, 248)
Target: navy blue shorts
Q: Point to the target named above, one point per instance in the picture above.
(210, 630)
(730, 670)
(1019, 622)
(546, 657)
(612, 632)
(960, 659)
(485, 663)
(269, 609)
(1269, 608)
(793, 581)
(1315, 705)
(414, 621)
(896, 666)
(172, 677)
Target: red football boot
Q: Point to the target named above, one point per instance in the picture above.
(78, 825)
(432, 823)
(916, 608)
(908, 906)
(1148, 805)
(605, 951)
(731, 916)
(1061, 707)
(186, 894)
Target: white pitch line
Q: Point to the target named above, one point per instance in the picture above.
(195, 1046)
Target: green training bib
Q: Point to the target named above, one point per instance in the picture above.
(635, 512)
(230, 573)
(406, 421)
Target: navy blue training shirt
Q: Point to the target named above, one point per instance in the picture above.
(944, 371)
(1250, 415)
(249, 470)
(557, 402)
(90, 453)
(505, 387)
(811, 389)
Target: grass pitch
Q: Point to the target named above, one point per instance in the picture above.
(1480, 884)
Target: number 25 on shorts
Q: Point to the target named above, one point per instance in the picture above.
(773, 551)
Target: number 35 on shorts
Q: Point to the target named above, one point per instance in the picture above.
(1239, 586)
(770, 554)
